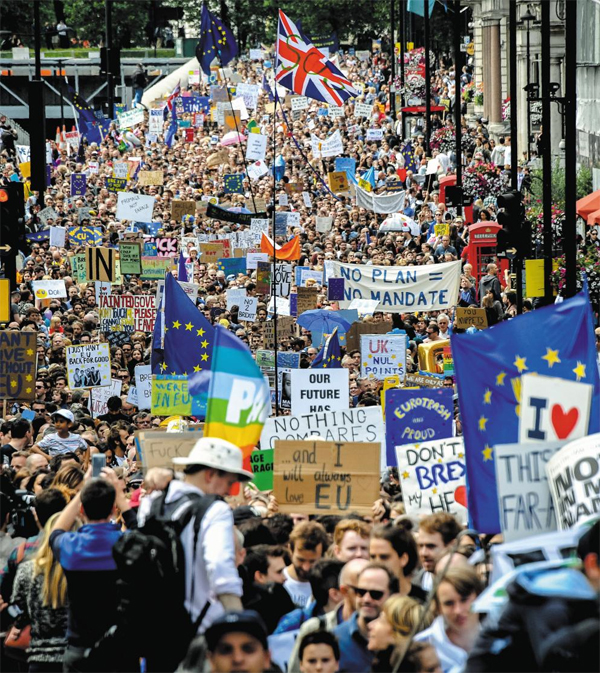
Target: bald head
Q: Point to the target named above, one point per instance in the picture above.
(351, 571)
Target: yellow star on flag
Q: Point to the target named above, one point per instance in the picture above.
(176, 324)
(197, 368)
(482, 421)
(200, 332)
(487, 453)
(487, 396)
(579, 371)
(188, 327)
(204, 357)
(551, 357)
(519, 363)
(500, 378)
(163, 366)
(204, 344)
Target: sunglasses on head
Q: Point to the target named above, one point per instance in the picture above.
(375, 594)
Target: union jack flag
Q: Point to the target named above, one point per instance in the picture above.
(302, 68)
(174, 94)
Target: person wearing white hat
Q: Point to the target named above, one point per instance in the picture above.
(63, 441)
(213, 584)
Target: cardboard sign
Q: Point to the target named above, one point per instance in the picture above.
(574, 476)
(413, 416)
(338, 181)
(18, 359)
(433, 477)
(247, 309)
(170, 396)
(263, 278)
(319, 390)
(181, 208)
(127, 313)
(307, 299)
(100, 396)
(211, 252)
(88, 365)
(326, 477)
(49, 289)
(383, 355)
(424, 380)
(150, 178)
(100, 264)
(553, 409)
(143, 384)
(283, 279)
(524, 499)
(130, 256)
(157, 449)
(359, 328)
(261, 463)
(135, 207)
(154, 268)
(465, 317)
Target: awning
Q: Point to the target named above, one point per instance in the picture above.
(588, 205)
(166, 85)
(594, 218)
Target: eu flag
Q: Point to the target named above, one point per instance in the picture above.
(556, 341)
(216, 41)
(233, 183)
(410, 163)
(231, 265)
(84, 109)
(172, 130)
(330, 356)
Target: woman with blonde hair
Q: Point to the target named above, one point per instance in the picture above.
(69, 481)
(389, 633)
(40, 591)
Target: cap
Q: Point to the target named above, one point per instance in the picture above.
(65, 413)
(245, 621)
(218, 454)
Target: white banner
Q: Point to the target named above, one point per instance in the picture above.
(315, 390)
(130, 118)
(401, 289)
(384, 205)
(143, 384)
(330, 147)
(256, 147)
(574, 477)
(382, 355)
(524, 499)
(88, 365)
(99, 397)
(49, 289)
(433, 477)
(134, 207)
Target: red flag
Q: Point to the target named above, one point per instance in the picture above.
(288, 252)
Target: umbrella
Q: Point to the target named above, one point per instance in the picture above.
(323, 320)
(232, 138)
(396, 222)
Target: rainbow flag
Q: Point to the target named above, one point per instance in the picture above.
(239, 401)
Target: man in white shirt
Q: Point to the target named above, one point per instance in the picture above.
(308, 543)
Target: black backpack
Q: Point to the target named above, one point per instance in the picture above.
(151, 579)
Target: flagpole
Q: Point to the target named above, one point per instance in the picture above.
(274, 280)
(427, 78)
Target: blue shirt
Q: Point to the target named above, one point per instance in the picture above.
(354, 656)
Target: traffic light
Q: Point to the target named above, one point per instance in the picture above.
(115, 61)
(12, 229)
(515, 234)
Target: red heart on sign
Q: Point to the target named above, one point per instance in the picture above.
(563, 423)
(460, 495)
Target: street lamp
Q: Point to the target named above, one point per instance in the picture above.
(528, 17)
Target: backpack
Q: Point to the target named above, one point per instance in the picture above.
(151, 577)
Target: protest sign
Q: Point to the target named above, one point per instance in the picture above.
(524, 499)
(211, 252)
(261, 463)
(100, 264)
(155, 121)
(100, 396)
(331, 147)
(424, 380)
(399, 288)
(57, 237)
(181, 208)
(362, 110)
(374, 134)
(323, 224)
(166, 246)
(338, 181)
(247, 310)
(127, 313)
(143, 384)
(154, 268)
(326, 477)
(263, 278)
(191, 289)
(84, 213)
(256, 147)
(319, 390)
(357, 329)
(307, 299)
(553, 409)
(120, 169)
(465, 317)
(283, 279)
(85, 235)
(413, 416)
(574, 477)
(134, 207)
(130, 255)
(49, 289)
(116, 185)
(170, 396)
(299, 103)
(17, 365)
(130, 118)
(235, 296)
(47, 214)
(150, 178)
(306, 199)
(157, 449)
(383, 355)
(88, 365)
(432, 476)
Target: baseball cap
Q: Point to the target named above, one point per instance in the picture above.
(65, 413)
(245, 621)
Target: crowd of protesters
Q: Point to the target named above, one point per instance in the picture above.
(264, 590)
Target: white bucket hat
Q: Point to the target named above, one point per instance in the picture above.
(218, 454)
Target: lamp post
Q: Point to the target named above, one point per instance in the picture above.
(527, 18)
(392, 91)
(427, 78)
(110, 92)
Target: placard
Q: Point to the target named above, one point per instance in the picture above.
(247, 309)
(130, 118)
(358, 328)
(283, 279)
(235, 297)
(115, 185)
(307, 299)
(362, 110)
(263, 278)
(88, 365)
(424, 380)
(574, 477)
(127, 313)
(100, 396)
(325, 477)
(47, 214)
(374, 134)
(150, 178)
(158, 448)
(255, 258)
(134, 207)
(323, 224)
(261, 464)
(130, 255)
(338, 181)
(170, 396)
(143, 384)
(191, 289)
(299, 103)
(100, 264)
(319, 390)
(383, 355)
(256, 147)
(524, 501)
(181, 208)
(154, 268)
(433, 477)
(49, 289)
(467, 317)
(57, 237)
(18, 359)
(85, 235)
(211, 252)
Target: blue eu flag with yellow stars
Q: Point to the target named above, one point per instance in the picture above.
(330, 356)
(84, 110)
(555, 341)
(233, 183)
(216, 41)
(410, 163)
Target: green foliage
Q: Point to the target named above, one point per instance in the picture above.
(16, 16)
(585, 184)
(558, 184)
